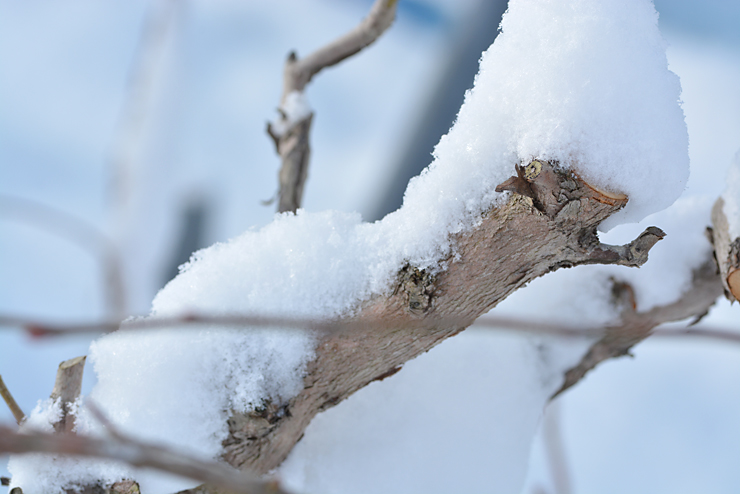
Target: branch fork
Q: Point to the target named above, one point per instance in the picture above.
(291, 132)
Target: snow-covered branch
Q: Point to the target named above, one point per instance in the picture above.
(528, 236)
(244, 322)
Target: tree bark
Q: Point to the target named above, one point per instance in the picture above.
(548, 222)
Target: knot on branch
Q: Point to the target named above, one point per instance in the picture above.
(418, 288)
(575, 208)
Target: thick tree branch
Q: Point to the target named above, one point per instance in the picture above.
(727, 252)
(291, 132)
(636, 326)
(552, 225)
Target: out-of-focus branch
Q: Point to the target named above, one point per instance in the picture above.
(555, 450)
(636, 326)
(727, 251)
(79, 232)
(18, 414)
(140, 92)
(67, 389)
(291, 132)
(240, 322)
(135, 453)
(298, 73)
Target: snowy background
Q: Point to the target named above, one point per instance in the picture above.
(665, 421)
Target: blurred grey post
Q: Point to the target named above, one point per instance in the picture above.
(460, 68)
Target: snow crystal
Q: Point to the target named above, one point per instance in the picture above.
(731, 196)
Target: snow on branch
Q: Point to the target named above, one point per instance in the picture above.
(291, 132)
(583, 109)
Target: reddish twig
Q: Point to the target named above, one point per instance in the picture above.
(40, 329)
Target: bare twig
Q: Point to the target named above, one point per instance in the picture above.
(242, 322)
(80, 232)
(18, 414)
(636, 326)
(291, 133)
(300, 72)
(727, 251)
(67, 389)
(135, 453)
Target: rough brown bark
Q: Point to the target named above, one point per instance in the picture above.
(548, 222)
(727, 252)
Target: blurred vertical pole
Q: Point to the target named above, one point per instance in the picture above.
(461, 66)
(137, 102)
(127, 187)
(555, 449)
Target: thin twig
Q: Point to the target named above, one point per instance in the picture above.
(617, 340)
(291, 134)
(137, 454)
(241, 322)
(10, 401)
(299, 72)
